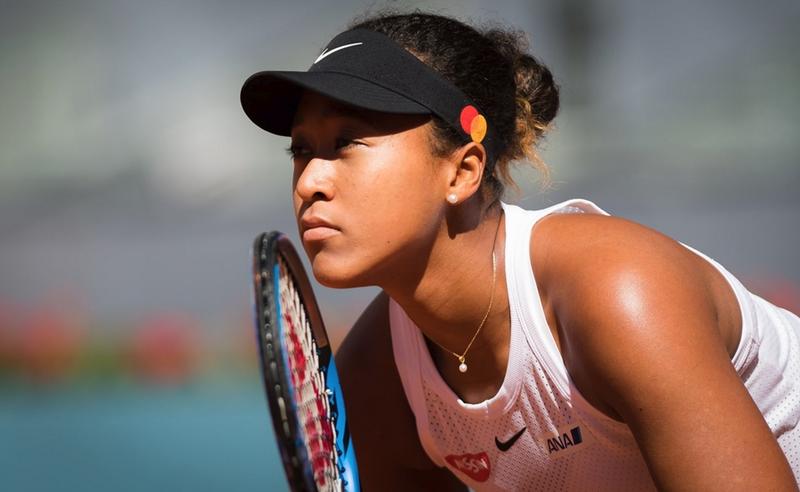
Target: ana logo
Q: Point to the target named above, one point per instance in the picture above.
(564, 440)
(475, 466)
(325, 52)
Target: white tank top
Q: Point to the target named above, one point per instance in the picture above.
(538, 432)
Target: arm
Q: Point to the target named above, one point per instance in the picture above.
(639, 327)
(388, 451)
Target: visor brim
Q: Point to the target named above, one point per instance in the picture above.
(270, 99)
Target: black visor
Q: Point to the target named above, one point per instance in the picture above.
(365, 69)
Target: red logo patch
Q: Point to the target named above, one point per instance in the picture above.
(475, 466)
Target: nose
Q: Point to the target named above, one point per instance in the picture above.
(314, 181)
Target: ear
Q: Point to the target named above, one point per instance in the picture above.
(468, 164)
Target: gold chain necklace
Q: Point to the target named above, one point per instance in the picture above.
(462, 367)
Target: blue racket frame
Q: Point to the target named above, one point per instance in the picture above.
(275, 370)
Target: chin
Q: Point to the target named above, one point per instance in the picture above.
(334, 273)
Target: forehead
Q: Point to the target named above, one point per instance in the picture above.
(315, 108)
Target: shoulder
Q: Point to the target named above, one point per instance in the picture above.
(622, 294)
(639, 317)
(372, 384)
(601, 257)
(384, 432)
(368, 341)
(573, 240)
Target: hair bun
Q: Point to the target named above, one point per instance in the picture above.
(536, 91)
(535, 84)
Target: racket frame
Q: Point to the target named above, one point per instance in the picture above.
(268, 248)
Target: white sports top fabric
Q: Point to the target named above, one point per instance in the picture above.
(567, 444)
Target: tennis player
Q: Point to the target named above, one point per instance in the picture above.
(511, 349)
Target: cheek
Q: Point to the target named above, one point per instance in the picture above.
(399, 220)
(409, 175)
(400, 200)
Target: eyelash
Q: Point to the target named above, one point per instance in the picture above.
(293, 151)
(349, 142)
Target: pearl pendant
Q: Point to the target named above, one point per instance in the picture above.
(462, 367)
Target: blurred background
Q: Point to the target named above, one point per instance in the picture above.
(131, 186)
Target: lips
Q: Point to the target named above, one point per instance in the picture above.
(316, 228)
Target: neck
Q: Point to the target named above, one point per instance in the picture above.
(450, 297)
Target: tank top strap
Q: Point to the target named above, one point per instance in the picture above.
(524, 300)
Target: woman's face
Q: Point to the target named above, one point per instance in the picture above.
(368, 196)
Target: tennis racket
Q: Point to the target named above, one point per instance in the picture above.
(297, 366)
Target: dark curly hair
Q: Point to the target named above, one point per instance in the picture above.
(492, 67)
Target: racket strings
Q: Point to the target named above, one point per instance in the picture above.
(315, 415)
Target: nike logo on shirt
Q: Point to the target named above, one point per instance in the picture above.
(325, 52)
(505, 446)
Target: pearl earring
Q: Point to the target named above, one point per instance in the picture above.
(452, 198)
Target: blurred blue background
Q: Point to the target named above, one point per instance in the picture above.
(131, 186)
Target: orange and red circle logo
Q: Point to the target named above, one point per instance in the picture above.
(473, 123)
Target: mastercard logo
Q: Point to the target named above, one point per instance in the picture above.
(473, 123)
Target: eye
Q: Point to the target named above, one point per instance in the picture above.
(343, 142)
(297, 150)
